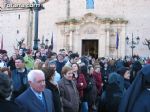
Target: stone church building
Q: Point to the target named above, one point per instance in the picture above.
(89, 27)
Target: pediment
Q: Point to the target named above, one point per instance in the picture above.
(89, 17)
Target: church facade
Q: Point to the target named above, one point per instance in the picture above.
(89, 27)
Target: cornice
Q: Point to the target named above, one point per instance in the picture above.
(69, 21)
(90, 17)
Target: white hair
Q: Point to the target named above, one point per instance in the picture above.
(33, 73)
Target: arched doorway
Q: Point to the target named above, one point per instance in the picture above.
(90, 47)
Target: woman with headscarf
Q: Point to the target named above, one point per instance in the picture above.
(125, 73)
(111, 97)
(135, 68)
(137, 97)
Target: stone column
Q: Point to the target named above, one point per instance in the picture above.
(107, 39)
(122, 40)
(70, 40)
(67, 41)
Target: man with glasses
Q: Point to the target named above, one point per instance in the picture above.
(36, 98)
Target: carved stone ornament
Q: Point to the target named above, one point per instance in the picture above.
(90, 30)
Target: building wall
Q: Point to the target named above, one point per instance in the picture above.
(12, 28)
(135, 11)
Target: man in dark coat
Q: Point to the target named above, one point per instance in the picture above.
(137, 97)
(36, 98)
(19, 78)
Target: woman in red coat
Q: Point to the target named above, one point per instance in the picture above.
(79, 79)
(80, 83)
(98, 78)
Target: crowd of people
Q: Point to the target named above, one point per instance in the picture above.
(44, 81)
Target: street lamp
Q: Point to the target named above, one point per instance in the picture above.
(37, 7)
(133, 42)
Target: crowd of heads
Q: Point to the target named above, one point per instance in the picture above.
(117, 74)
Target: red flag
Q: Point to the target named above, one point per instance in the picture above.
(2, 42)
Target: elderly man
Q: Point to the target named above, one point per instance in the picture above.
(36, 98)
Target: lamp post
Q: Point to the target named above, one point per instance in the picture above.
(133, 42)
(37, 7)
(36, 10)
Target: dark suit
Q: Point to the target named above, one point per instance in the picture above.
(31, 103)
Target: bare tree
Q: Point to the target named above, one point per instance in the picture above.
(147, 43)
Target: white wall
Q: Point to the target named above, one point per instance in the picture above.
(9, 24)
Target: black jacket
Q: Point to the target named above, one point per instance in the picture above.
(9, 106)
(56, 96)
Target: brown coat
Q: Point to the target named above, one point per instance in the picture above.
(69, 94)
